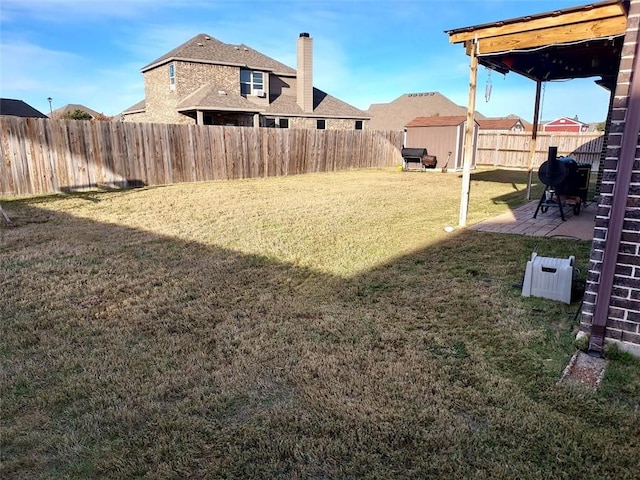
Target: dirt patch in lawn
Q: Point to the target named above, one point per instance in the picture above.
(584, 370)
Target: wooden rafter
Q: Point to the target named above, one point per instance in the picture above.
(574, 32)
(593, 15)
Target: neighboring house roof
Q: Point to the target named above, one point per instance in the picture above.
(18, 108)
(204, 48)
(396, 114)
(566, 121)
(72, 107)
(447, 121)
(137, 108)
(504, 123)
(209, 97)
(324, 105)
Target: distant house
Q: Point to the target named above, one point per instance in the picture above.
(18, 108)
(443, 137)
(510, 123)
(396, 114)
(565, 124)
(208, 82)
(73, 107)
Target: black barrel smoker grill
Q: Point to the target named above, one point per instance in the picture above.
(418, 156)
(566, 183)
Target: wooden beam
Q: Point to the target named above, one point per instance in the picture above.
(469, 137)
(555, 35)
(553, 20)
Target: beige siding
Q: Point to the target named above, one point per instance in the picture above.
(439, 141)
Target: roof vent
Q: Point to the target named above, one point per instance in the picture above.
(207, 38)
(200, 44)
(237, 47)
(245, 49)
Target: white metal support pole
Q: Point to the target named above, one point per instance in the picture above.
(469, 137)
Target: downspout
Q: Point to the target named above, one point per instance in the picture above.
(618, 207)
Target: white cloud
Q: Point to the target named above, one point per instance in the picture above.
(37, 73)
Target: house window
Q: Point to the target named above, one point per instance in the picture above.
(321, 124)
(358, 124)
(172, 76)
(283, 123)
(251, 83)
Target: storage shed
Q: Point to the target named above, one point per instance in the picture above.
(441, 135)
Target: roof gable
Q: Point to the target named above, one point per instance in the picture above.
(71, 108)
(204, 48)
(396, 114)
(565, 121)
(502, 123)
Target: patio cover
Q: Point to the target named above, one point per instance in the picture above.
(578, 42)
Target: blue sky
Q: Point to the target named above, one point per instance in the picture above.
(90, 51)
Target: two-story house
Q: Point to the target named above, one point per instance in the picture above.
(208, 82)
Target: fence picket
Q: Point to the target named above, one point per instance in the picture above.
(511, 149)
(49, 156)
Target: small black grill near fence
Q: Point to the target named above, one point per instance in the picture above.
(417, 158)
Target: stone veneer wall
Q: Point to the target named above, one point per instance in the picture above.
(623, 322)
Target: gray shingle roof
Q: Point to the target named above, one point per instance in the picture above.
(204, 48)
(138, 107)
(208, 97)
(18, 108)
(396, 114)
(324, 105)
(72, 107)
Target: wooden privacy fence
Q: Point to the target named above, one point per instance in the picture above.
(48, 156)
(511, 149)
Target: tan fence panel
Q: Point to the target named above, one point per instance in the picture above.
(44, 156)
(511, 149)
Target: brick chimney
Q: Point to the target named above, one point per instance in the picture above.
(305, 73)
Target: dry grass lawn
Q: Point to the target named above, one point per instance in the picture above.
(318, 326)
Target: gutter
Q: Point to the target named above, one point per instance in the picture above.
(624, 171)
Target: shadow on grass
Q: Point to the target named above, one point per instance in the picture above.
(518, 181)
(126, 354)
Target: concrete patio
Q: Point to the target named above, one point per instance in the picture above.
(520, 221)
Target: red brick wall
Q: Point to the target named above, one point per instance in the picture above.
(623, 321)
